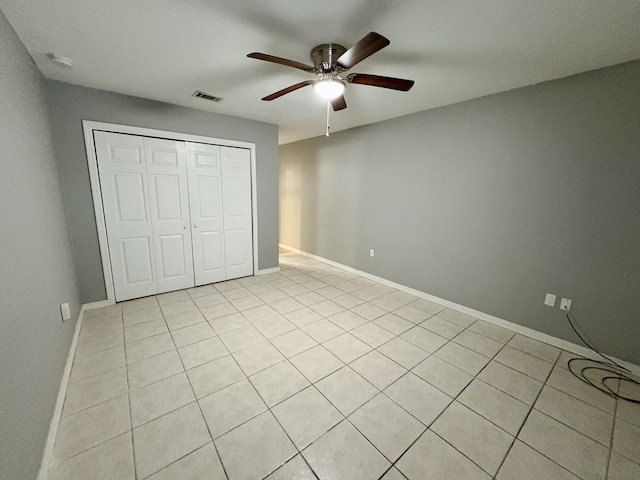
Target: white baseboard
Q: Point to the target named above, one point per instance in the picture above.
(514, 327)
(99, 304)
(47, 457)
(267, 271)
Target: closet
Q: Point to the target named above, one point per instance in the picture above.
(177, 214)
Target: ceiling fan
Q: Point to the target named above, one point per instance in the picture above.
(330, 61)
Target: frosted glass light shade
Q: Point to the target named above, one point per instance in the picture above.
(329, 88)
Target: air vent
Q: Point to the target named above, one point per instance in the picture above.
(206, 96)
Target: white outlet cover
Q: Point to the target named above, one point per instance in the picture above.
(372, 253)
(550, 300)
(565, 304)
(66, 312)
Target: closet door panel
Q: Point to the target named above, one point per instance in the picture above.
(124, 187)
(130, 202)
(172, 253)
(236, 175)
(212, 251)
(169, 200)
(205, 198)
(137, 260)
(236, 256)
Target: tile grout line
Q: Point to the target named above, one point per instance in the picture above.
(515, 437)
(184, 370)
(571, 427)
(255, 416)
(562, 423)
(268, 408)
(445, 409)
(126, 366)
(313, 384)
(575, 398)
(460, 393)
(382, 392)
(152, 383)
(580, 400)
(97, 374)
(613, 431)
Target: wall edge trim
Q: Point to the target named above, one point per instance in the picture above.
(514, 327)
(98, 304)
(266, 271)
(47, 457)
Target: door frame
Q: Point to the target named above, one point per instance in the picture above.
(89, 126)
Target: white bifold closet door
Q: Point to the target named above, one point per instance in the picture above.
(125, 194)
(169, 200)
(205, 194)
(178, 214)
(220, 200)
(236, 191)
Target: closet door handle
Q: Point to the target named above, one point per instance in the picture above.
(185, 227)
(195, 226)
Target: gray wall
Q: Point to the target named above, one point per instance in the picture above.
(70, 104)
(490, 203)
(36, 266)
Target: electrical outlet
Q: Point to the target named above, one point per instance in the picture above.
(65, 311)
(565, 304)
(372, 253)
(550, 300)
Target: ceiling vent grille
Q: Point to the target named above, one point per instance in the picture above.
(206, 96)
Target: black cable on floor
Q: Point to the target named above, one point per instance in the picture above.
(610, 371)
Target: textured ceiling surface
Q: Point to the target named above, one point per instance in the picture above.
(454, 50)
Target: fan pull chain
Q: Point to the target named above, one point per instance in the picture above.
(328, 110)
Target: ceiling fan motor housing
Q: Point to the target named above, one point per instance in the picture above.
(324, 57)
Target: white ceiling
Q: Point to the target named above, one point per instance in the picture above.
(454, 50)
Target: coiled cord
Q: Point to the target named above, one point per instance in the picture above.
(610, 373)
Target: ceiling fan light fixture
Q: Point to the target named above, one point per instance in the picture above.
(330, 61)
(329, 87)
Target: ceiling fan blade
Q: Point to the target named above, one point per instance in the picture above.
(281, 61)
(284, 91)
(367, 46)
(380, 81)
(339, 103)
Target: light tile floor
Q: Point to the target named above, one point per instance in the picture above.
(315, 372)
